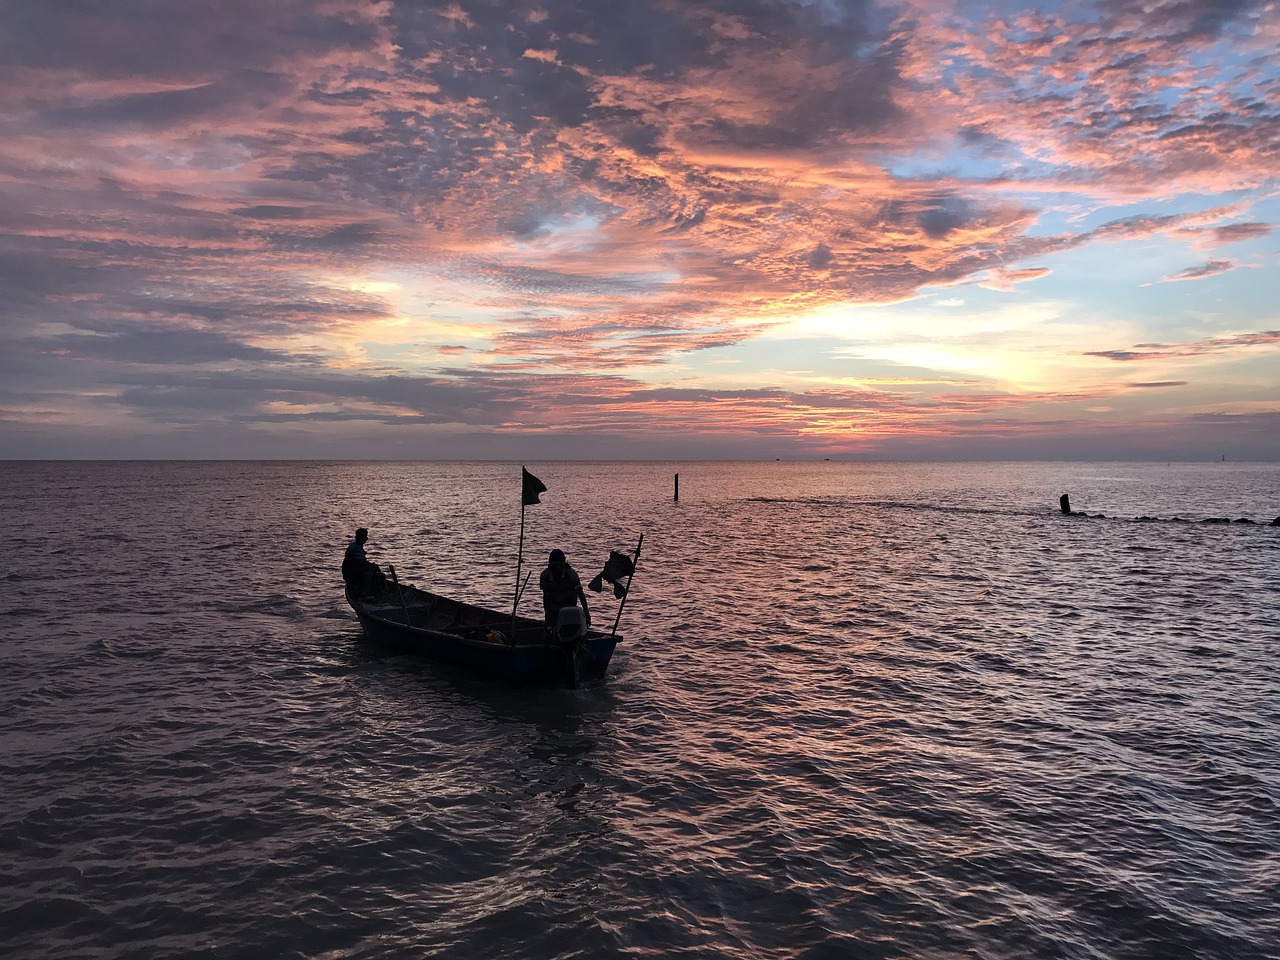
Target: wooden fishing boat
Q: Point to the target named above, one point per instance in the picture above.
(411, 620)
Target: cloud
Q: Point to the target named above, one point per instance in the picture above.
(1207, 237)
(1119, 99)
(1164, 351)
(1212, 268)
(155, 345)
(333, 201)
(1002, 279)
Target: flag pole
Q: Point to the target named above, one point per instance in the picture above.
(530, 487)
(519, 563)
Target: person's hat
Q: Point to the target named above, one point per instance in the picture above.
(557, 556)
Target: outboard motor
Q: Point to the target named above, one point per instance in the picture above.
(571, 629)
(571, 625)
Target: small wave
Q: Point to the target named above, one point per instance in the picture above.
(337, 613)
(275, 605)
(16, 612)
(127, 648)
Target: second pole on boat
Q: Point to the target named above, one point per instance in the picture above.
(520, 593)
(635, 562)
(400, 593)
(515, 605)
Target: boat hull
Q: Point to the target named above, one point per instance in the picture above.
(424, 624)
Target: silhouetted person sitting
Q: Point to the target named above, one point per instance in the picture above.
(361, 575)
(561, 587)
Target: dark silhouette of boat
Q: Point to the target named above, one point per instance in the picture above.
(521, 649)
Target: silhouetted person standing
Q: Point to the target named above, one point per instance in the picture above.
(561, 587)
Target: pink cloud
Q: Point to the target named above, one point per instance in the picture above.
(1209, 237)
(1006, 280)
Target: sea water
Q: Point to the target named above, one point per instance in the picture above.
(860, 710)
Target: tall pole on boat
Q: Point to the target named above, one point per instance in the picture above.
(530, 487)
(519, 562)
(635, 562)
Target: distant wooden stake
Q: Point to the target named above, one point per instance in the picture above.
(1064, 501)
(677, 488)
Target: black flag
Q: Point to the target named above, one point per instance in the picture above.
(531, 486)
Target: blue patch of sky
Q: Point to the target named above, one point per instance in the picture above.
(1221, 66)
(970, 158)
(928, 165)
(1126, 278)
(1068, 213)
(584, 223)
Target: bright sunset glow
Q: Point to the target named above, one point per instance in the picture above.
(643, 228)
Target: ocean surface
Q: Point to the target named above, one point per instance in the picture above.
(861, 710)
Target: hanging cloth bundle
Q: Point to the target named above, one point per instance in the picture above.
(619, 566)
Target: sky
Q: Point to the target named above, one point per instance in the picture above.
(640, 229)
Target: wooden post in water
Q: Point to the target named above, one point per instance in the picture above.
(677, 500)
(1064, 501)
